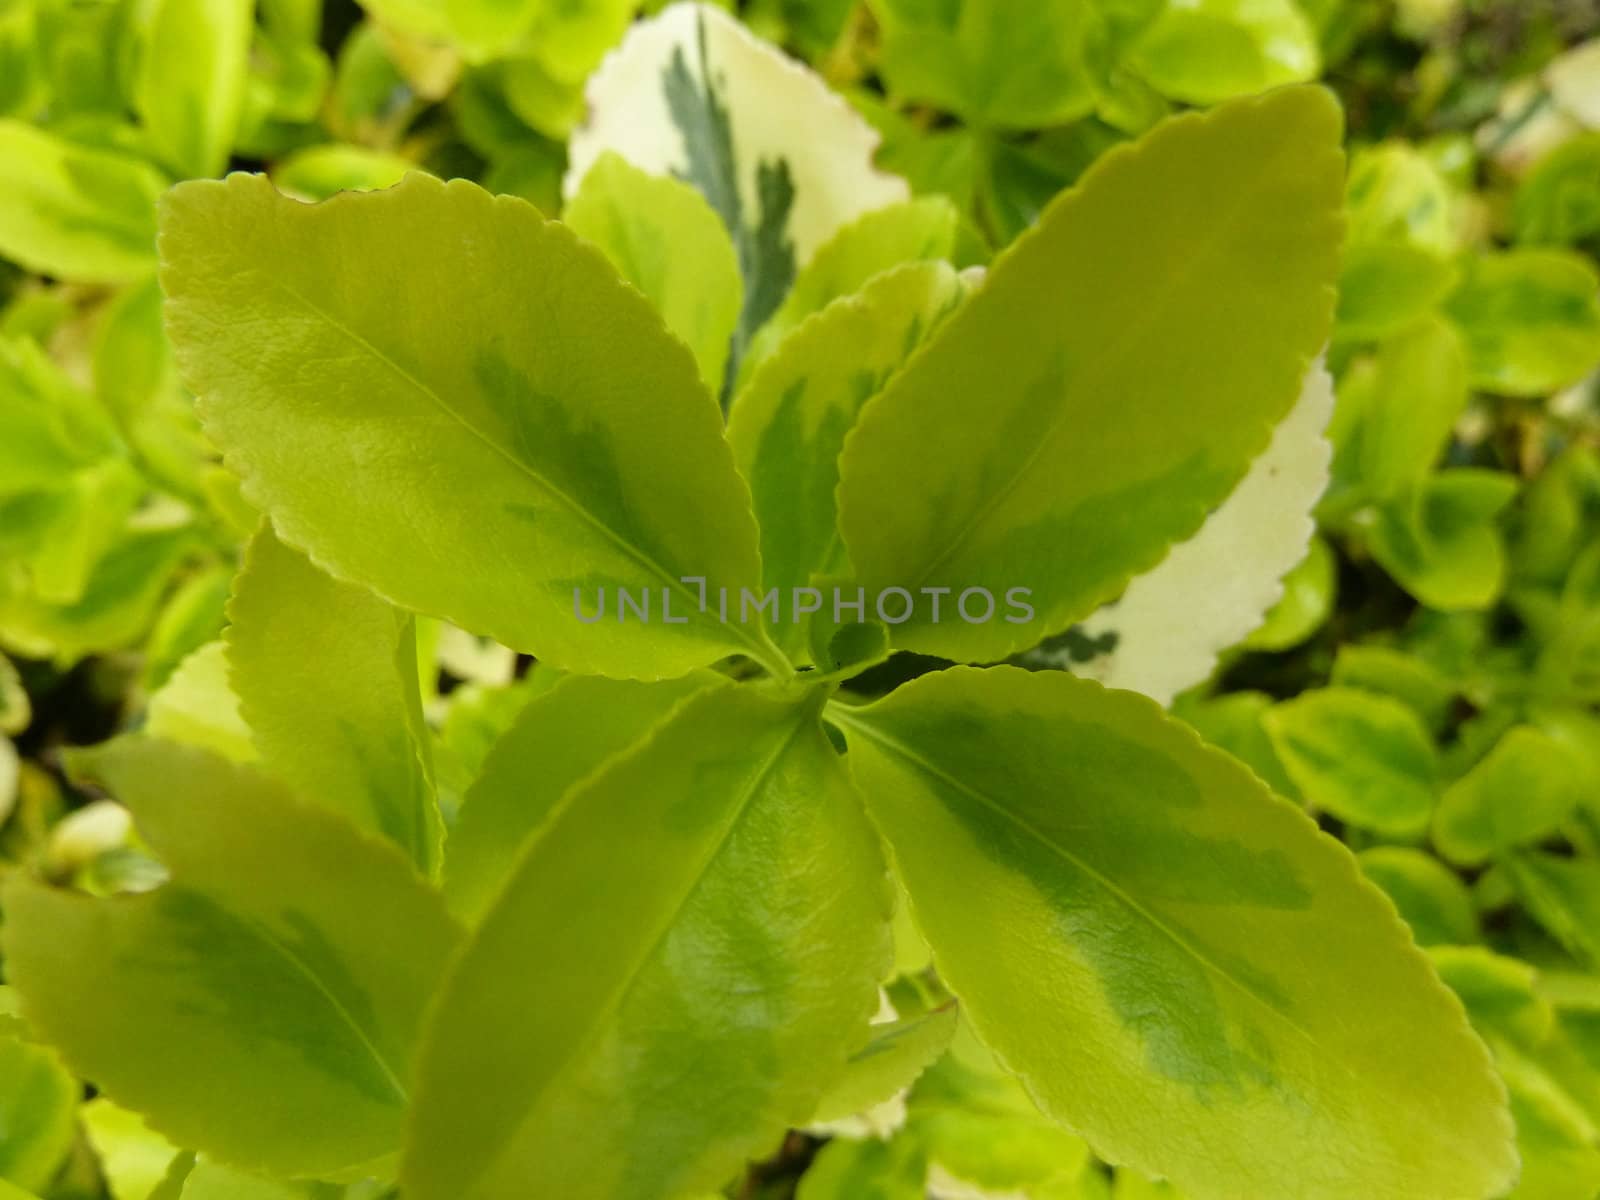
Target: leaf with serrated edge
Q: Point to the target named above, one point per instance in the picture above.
(198, 707)
(1215, 589)
(133, 1158)
(465, 457)
(1133, 395)
(326, 675)
(681, 962)
(781, 158)
(788, 425)
(284, 967)
(664, 238)
(38, 1104)
(920, 230)
(1178, 964)
(899, 1051)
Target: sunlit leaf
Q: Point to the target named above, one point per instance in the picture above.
(1177, 963)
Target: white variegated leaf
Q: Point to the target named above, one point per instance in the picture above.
(782, 159)
(1165, 632)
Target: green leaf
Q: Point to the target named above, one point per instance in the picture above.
(567, 40)
(51, 428)
(1555, 1136)
(1407, 677)
(1558, 203)
(916, 231)
(1554, 1140)
(1309, 593)
(1048, 484)
(782, 159)
(505, 465)
(982, 1134)
(1234, 721)
(1385, 286)
(1563, 895)
(63, 535)
(899, 1051)
(557, 740)
(1215, 589)
(1559, 517)
(38, 1107)
(137, 382)
(476, 718)
(424, 19)
(1362, 757)
(211, 1181)
(866, 1170)
(198, 707)
(120, 598)
(1439, 539)
(665, 240)
(262, 1005)
(1500, 993)
(938, 161)
(190, 618)
(1431, 897)
(16, 710)
(72, 211)
(318, 172)
(1178, 965)
(790, 421)
(132, 1156)
(681, 962)
(995, 66)
(1397, 194)
(1531, 319)
(1205, 51)
(10, 778)
(1521, 792)
(20, 60)
(326, 675)
(190, 83)
(1396, 414)
(66, 486)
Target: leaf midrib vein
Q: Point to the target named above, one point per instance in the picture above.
(265, 935)
(1127, 898)
(1134, 331)
(630, 977)
(628, 549)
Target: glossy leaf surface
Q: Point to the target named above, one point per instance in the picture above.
(557, 740)
(469, 459)
(1206, 975)
(1105, 310)
(680, 963)
(326, 676)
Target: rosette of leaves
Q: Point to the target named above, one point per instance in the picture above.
(655, 935)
